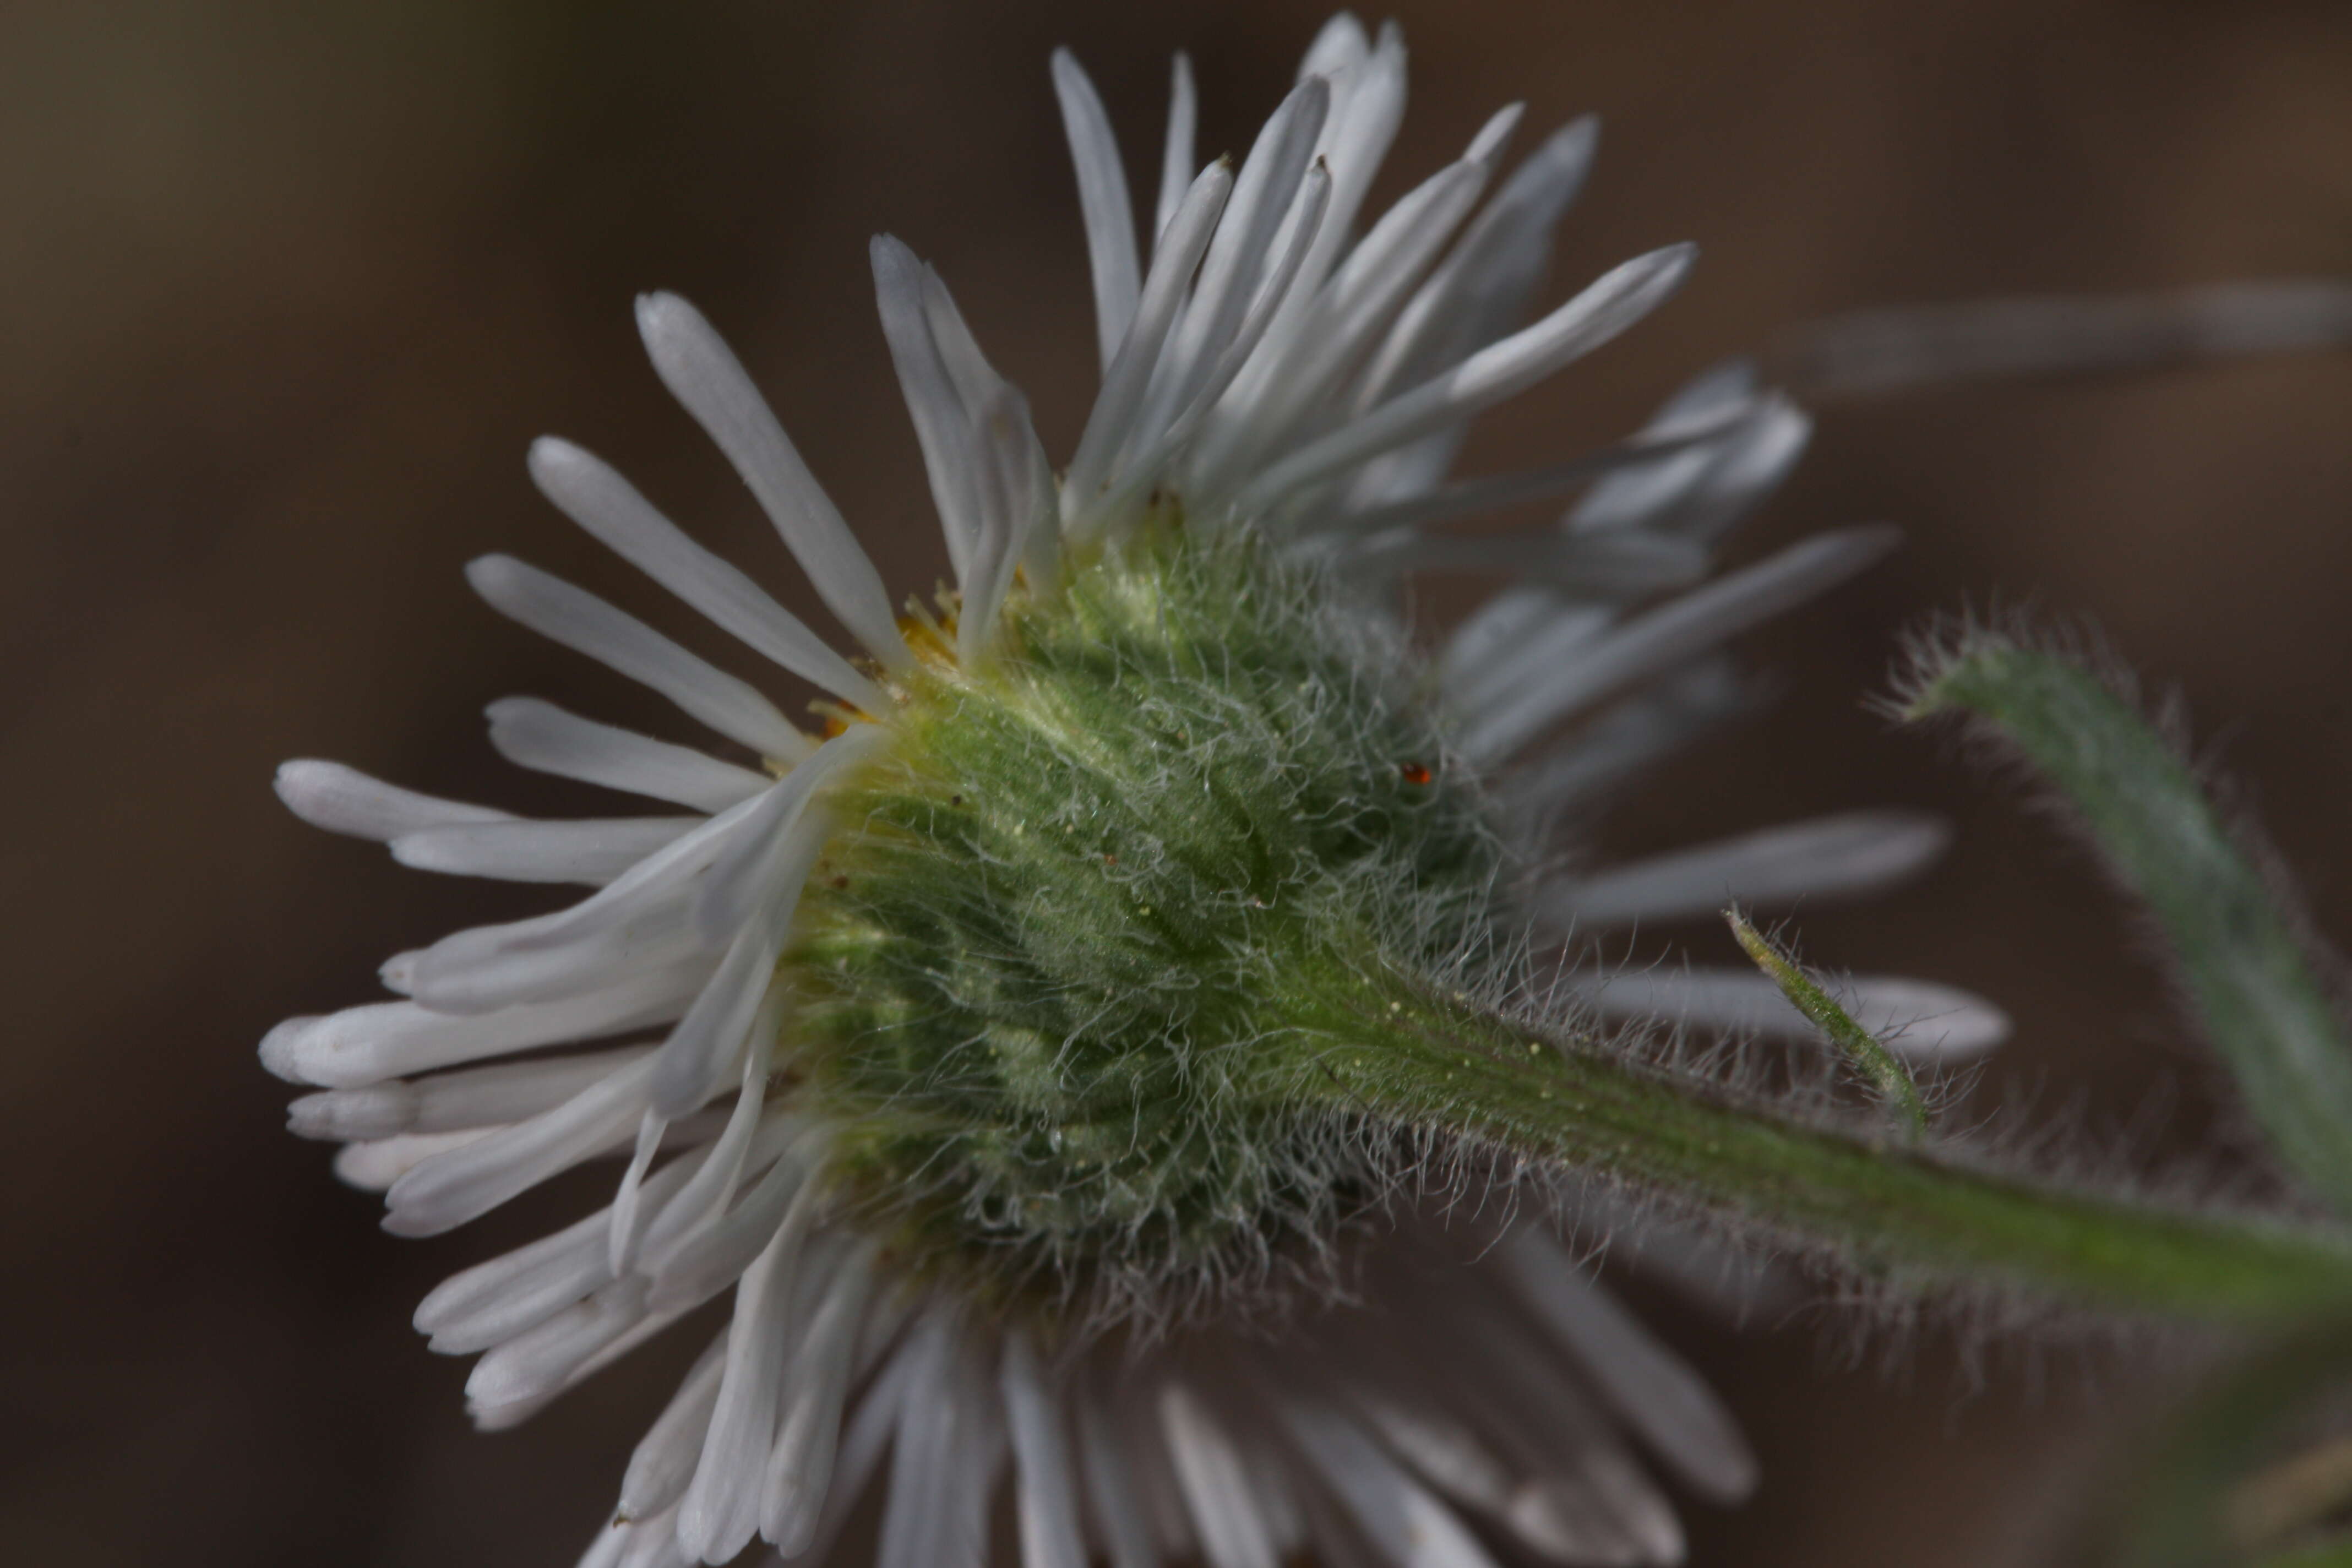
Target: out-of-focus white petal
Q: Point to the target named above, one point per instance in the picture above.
(1916, 1019)
(1841, 856)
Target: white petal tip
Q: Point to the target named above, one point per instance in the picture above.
(658, 307)
(311, 1116)
(282, 1049)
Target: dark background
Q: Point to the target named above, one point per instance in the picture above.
(285, 289)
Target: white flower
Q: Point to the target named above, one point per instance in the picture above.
(1268, 368)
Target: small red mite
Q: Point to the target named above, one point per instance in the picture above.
(1415, 774)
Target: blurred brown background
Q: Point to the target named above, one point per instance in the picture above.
(285, 289)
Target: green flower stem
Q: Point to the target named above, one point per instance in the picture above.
(1406, 1055)
(1886, 1076)
(2241, 963)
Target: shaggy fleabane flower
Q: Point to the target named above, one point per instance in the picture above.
(961, 1036)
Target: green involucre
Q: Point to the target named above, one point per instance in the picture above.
(1038, 970)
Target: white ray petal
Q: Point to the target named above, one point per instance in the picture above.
(504, 1418)
(1392, 1512)
(1102, 201)
(1019, 489)
(1278, 391)
(1871, 352)
(1609, 568)
(1176, 165)
(1495, 133)
(629, 1213)
(1636, 497)
(537, 1360)
(713, 1257)
(936, 1513)
(799, 1479)
(1673, 633)
(703, 374)
(1841, 856)
(1225, 1514)
(1699, 441)
(1653, 1390)
(664, 1460)
(493, 1301)
(1704, 491)
(1916, 1019)
(606, 1548)
(974, 379)
(756, 898)
(1635, 735)
(1405, 1410)
(591, 493)
(1355, 139)
(344, 800)
(1111, 425)
(699, 1052)
(653, 1543)
(735, 890)
(868, 1435)
(721, 1510)
(1045, 1495)
(1121, 1521)
(1479, 290)
(482, 1097)
(1146, 468)
(942, 423)
(1753, 465)
(1340, 44)
(450, 1189)
(373, 1166)
(587, 625)
(713, 1187)
(592, 850)
(642, 921)
(366, 1044)
(1581, 1500)
(1516, 626)
(1612, 303)
(1262, 193)
(541, 736)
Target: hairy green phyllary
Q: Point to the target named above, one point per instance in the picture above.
(1042, 971)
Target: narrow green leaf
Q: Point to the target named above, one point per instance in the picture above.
(2242, 962)
(1878, 1066)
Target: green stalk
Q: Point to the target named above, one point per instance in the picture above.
(1407, 1055)
(2242, 962)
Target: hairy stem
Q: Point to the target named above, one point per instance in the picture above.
(1411, 1054)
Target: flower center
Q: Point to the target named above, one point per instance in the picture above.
(1040, 971)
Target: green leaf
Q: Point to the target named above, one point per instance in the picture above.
(2242, 963)
(1878, 1066)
